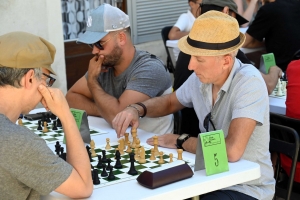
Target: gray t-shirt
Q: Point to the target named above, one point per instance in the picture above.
(145, 74)
(28, 168)
(244, 94)
(148, 75)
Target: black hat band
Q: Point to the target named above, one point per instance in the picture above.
(213, 46)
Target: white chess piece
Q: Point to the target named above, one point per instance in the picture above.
(283, 87)
(279, 90)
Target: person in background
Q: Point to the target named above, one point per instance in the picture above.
(276, 27)
(226, 94)
(118, 74)
(248, 9)
(184, 23)
(28, 167)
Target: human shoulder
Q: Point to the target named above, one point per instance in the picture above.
(148, 60)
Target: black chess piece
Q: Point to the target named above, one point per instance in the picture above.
(108, 163)
(104, 173)
(48, 120)
(52, 116)
(118, 164)
(39, 125)
(111, 175)
(132, 170)
(43, 119)
(57, 147)
(89, 152)
(62, 154)
(58, 123)
(96, 180)
(100, 164)
(104, 159)
(54, 127)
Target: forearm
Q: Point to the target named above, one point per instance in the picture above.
(190, 145)
(252, 43)
(177, 35)
(161, 106)
(107, 105)
(82, 102)
(271, 78)
(248, 13)
(76, 152)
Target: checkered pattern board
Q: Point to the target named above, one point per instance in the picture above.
(54, 135)
(121, 174)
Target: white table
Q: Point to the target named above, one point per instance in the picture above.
(277, 105)
(239, 172)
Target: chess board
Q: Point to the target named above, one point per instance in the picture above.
(281, 85)
(54, 135)
(121, 174)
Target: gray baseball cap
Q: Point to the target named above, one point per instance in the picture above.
(101, 21)
(232, 6)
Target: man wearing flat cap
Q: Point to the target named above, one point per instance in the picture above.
(28, 167)
(226, 94)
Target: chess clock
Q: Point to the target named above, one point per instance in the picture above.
(181, 139)
(169, 173)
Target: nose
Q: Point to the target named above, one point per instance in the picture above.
(192, 63)
(95, 50)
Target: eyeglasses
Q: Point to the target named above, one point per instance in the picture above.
(50, 80)
(206, 121)
(99, 45)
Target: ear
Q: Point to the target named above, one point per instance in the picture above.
(227, 61)
(226, 10)
(122, 38)
(28, 79)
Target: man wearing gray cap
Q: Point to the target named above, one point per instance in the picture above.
(227, 95)
(119, 74)
(28, 167)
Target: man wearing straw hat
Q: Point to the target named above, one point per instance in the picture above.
(226, 94)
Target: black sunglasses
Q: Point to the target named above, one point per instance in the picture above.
(99, 45)
(206, 121)
(50, 80)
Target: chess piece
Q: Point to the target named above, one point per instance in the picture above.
(137, 142)
(96, 180)
(58, 123)
(48, 120)
(279, 91)
(121, 146)
(128, 150)
(104, 173)
(20, 122)
(134, 135)
(155, 143)
(171, 157)
(283, 83)
(161, 160)
(142, 159)
(118, 164)
(137, 154)
(62, 154)
(45, 130)
(57, 147)
(100, 164)
(132, 170)
(52, 116)
(54, 127)
(108, 164)
(107, 147)
(179, 151)
(93, 153)
(104, 159)
(126, 137)
(111, 175)
(39, 125)
(89, 152)
(152, 157)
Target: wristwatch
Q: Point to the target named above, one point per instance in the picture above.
(181, 139)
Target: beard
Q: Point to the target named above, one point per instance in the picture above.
(114, 57)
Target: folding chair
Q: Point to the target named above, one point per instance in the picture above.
(284, 140)
(164, 34)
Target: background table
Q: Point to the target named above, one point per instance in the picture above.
(277, 105)
(239, 172)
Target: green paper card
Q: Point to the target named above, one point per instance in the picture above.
(214, 152)
(77, 114)
(269, 61)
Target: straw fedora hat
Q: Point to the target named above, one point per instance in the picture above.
(213, 33)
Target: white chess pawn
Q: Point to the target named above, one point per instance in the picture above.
(279, 90)
(283, 87)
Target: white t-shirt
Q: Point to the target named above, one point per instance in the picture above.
(184, 23)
